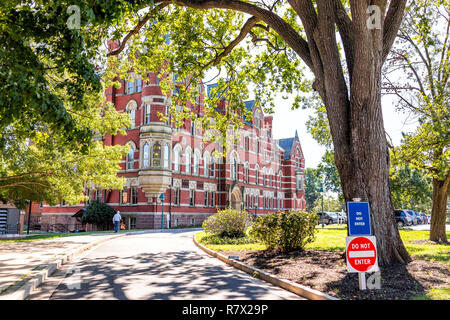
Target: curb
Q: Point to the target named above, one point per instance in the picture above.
(40, 273)
(293, 287)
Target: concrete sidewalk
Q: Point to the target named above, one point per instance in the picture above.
(25, 265)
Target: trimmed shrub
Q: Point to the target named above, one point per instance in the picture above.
(99, 214)
(228, 223)
(287, 231)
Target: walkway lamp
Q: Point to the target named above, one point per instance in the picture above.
(162, 197)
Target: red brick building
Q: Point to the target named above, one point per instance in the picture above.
(259, 174)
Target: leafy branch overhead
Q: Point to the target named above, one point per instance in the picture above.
(52, 108)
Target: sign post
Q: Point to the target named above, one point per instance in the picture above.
(361, 252)
(361, 249)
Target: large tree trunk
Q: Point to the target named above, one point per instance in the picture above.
(357, 128)
(362, 159)
(368, 178)
(439, 210)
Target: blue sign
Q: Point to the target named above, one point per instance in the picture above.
(358, 218)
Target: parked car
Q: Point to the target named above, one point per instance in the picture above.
(412, 215)
(403, 218)
(334, 217)
(327, 218)
(418, 216)
(425, 218)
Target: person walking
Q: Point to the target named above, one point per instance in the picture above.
(116, 220)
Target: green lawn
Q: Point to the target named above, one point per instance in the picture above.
(332, 238)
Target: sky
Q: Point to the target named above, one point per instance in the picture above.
(286, 121)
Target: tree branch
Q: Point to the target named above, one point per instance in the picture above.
(345, 26)
(392, 25)
(275, 22)
(242, 34)
(136, 30)
(307, 13)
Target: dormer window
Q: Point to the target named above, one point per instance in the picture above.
(257, 119)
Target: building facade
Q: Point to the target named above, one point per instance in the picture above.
(259, 174)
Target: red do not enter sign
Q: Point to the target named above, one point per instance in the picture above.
(361, 254)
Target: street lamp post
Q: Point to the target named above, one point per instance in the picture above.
(162, 197)
(29, 217)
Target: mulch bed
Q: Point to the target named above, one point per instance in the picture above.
(326, 271)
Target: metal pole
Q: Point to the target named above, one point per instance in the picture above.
(170, 206)
(162, 214)
(323, 213)
(29, 218)
(362, 280)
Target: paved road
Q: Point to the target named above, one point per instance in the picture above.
(426, 227)
(166, 266)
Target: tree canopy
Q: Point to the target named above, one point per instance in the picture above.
(52, 107)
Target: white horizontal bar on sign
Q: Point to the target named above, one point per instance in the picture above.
(361, 254)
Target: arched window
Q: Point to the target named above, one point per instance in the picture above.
(195, 164)
(188, 161)
(166, 155)
(133, 118)
(205, 165)
(176, 159)
(256, 175)
(131, 109)
(246, 173)
(299, 183)
(192, 127)
(147, 113)
(156, 155)
(257, 118)
(130, 158)
(233, 169)
(146, 156)
(212, 168)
